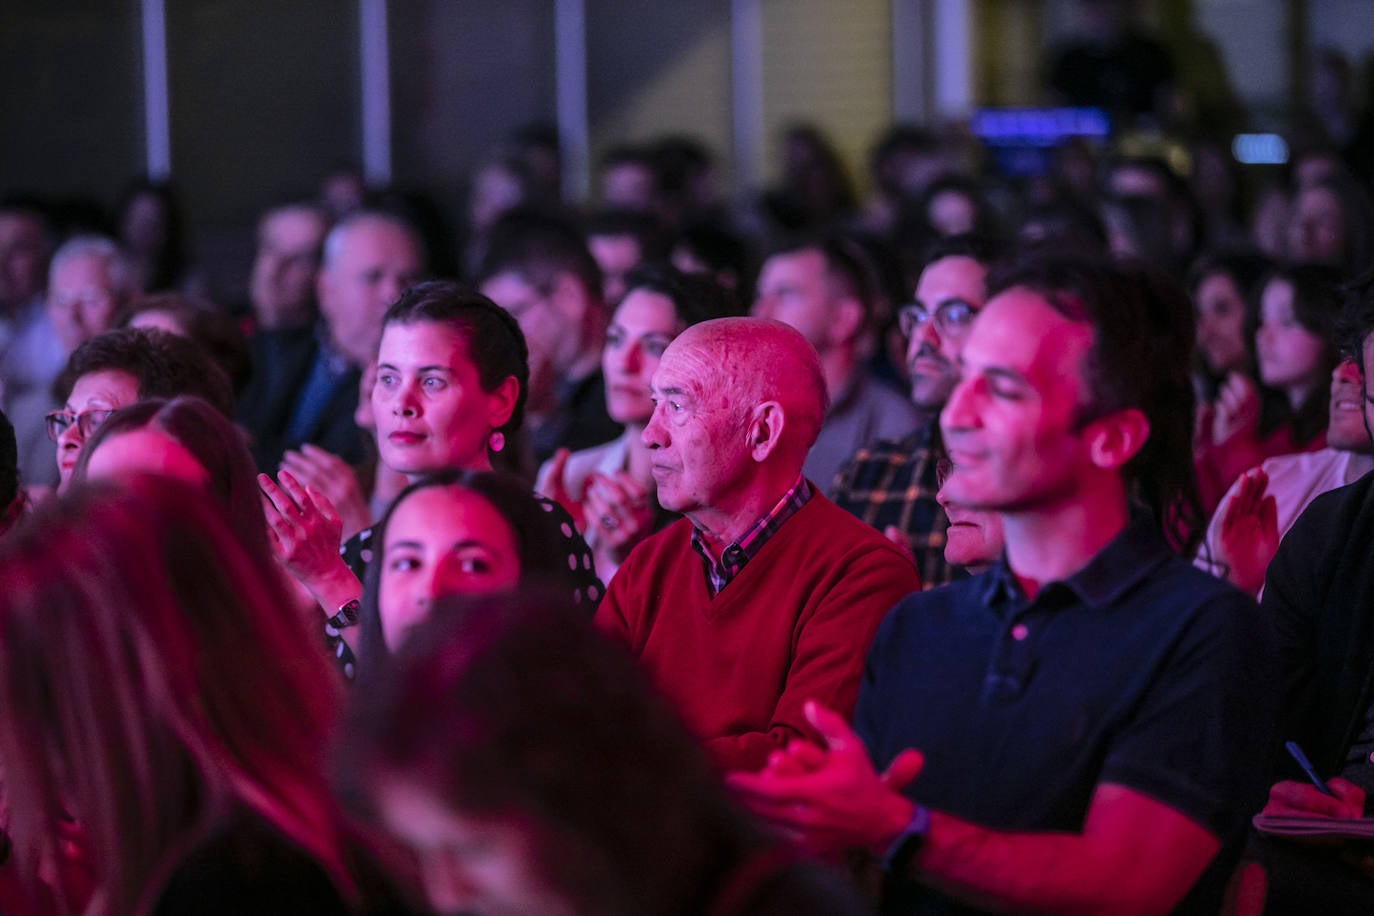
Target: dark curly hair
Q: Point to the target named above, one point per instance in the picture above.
(164, 365)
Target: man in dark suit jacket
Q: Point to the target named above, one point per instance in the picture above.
(306, 380)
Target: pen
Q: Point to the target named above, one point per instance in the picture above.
(1296, 752)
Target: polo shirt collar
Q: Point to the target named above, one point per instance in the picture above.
(1127, 560)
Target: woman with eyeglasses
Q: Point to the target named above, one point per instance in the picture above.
(118, 368)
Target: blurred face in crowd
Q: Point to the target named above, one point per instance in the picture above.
(952, 212)
(551, 320)
(82, 299)
(94, 397)
(949, 293)
(1366, 361)
(145, 451)
(1220, 311)
(1289, 355)
(144, 226)
(1317, 230)
(1346, 429)
(23, 259)
(641, 329)
(441, 541)
(372, 263)
(629, 185)
(282, 287)
(496, 191)
(616, 255)
(428, 403)
(795, 288)
(1011, 425)
(973, 539)
(468, 864)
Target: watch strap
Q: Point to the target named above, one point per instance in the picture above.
(908, 842)
(346, 616)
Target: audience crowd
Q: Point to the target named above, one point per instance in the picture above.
(990, 543)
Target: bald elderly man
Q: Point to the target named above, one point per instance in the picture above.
(766, 595)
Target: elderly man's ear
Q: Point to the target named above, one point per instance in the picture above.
(765, 429)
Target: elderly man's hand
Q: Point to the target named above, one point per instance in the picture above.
(830, 800)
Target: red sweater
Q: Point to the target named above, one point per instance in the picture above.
(793, 625)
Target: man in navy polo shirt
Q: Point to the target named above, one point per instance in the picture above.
(1083, 726)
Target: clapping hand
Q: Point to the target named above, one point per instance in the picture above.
(1248, 532)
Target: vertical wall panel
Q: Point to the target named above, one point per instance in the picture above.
(829, 64)
(659, 68)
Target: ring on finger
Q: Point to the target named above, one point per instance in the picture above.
(610, 522)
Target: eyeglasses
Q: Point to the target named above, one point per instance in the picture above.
(952, 318)
(88, 421)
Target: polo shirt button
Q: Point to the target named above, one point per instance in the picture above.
(1019, 632)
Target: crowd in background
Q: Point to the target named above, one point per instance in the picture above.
(319, 601)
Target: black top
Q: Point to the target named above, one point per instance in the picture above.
(1319, 596)
(1138, 670)
(248, 866)
(284, 362)
(580, 422)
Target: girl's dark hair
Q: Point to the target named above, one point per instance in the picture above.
(695, 297)
(495, 344)
(510, 706)
(217, 444)
(542, 554)
(1317, 307)
(1143, 332)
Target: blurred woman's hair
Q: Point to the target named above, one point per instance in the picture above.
(216, 444)
(509, 706)
(695, 297)
(153, 681)
(215, 330)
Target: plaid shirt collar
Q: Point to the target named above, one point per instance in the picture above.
(720, 573)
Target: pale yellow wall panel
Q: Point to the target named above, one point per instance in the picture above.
(828, 63)
(655, 69)
(691, 95)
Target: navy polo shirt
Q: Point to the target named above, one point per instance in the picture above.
(1138, 670)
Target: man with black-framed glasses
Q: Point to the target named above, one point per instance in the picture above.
(891, 484)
